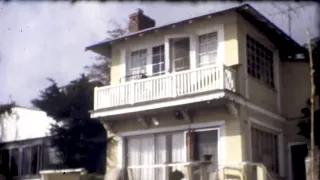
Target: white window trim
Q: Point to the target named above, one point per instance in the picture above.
(120, 151)
(123, 66)
(279, 133)
(167, 61)
(19, 147)
(126, 50)
(125, 53)
(221, 159)
(149, 63)
(212, 125)
(276, 64)
(219, 28)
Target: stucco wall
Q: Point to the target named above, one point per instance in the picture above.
(24, 124)
(251, 117)
(296, 85)
(257, 91)
(292, 77)
(232, 130)
(235, 30)
(230, 40)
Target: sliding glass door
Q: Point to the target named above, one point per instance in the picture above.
(149, 156)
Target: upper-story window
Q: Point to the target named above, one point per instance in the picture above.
(180, 54)
(208, 47)
(137, 63)
(158, 67)
(260, 61)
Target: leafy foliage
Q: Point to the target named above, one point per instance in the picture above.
(5, 172)
(305, 127)
(6, 107)
(100, 69)
(79, 140)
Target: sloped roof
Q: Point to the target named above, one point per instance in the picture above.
(274, 33)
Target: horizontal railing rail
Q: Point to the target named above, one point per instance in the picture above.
(189, 170)
(165, 86)
(199, 170)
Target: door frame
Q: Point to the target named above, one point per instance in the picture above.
(290, 168)
(167, 59)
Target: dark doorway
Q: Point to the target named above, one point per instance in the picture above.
(298, 155)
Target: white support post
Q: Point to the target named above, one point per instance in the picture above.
(222, 76)
(95, 100)
(132, 92)
(174, 85)
(167, 55)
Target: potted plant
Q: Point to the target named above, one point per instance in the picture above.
(207, 155)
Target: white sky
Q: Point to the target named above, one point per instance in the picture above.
(39, 40)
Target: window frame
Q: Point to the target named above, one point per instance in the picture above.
(126, 49)
(270, 129)
(130, 63)
(21, 172)
(162, 57)
(275, 152)
(267, 75)
(219, 136)
(198, 64)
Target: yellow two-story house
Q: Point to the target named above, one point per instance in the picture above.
(216, 93)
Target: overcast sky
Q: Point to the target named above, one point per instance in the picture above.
(47, 39)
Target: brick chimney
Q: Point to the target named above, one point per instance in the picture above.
(138, 21)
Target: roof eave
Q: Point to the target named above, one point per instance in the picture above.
(160, 27)
(244, 9)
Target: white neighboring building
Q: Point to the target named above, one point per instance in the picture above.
(24, 148)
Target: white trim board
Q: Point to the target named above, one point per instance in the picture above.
(151, 42)
(158, 105)
(172, 128)
(197, 98)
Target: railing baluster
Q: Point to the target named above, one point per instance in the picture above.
(168, 85)
(174, 85)
(221, 69)
(132, 93)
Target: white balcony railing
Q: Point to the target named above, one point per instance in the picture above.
(171, 85)
(201, 170)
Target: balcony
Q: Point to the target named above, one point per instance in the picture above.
(167, 87)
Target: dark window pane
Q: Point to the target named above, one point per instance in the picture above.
(26, 160)
(156, 59)
(4, 160)
(156, 68)
(259, 60)
(34, 160)
(14, 161)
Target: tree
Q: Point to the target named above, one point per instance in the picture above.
(79, 140)
(100, 69)
(304, 125)
(4, 157)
